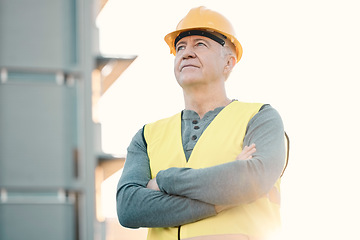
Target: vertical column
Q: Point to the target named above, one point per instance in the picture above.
(46, 144)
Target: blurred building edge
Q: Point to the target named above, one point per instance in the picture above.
(108, 70)
(52, 76)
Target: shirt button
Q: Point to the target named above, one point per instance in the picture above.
(194, 137)
(194, 121)
(196, 127)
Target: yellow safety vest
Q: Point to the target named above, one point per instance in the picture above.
(221, 142)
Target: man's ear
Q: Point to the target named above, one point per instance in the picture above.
(230, 64)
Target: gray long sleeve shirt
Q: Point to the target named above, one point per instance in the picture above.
(189, 195)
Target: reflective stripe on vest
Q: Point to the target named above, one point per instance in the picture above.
(217, 144)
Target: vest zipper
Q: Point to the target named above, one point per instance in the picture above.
(179, 232)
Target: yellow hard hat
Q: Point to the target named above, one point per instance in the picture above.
(202, 18)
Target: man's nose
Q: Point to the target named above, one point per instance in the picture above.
(189, 52)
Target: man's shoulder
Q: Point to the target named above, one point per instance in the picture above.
(165, 120)
(244, 108)
(263, 107)
(246, 104)
(265, 114)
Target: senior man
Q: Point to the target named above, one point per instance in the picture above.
(213, 170)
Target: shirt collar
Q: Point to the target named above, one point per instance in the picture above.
(191, 115)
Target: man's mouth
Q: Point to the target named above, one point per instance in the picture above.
(188, 66)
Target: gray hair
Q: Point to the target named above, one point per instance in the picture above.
(228, 50)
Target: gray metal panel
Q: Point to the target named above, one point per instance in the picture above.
(41, 37)
(38, 135)
(33, 221)
(44, 37)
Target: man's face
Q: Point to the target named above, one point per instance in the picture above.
(199, 60)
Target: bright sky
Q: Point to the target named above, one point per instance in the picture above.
(302, 57)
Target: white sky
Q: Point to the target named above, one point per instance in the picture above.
(302, 57)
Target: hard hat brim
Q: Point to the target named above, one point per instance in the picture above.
(170, 40)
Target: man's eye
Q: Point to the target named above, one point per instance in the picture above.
(179, 48)
(201, 44)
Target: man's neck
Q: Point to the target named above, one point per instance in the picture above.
(202, 103)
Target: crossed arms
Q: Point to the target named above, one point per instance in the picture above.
(185, 195)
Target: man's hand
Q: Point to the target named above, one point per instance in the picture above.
(247, 152)
(152, 184)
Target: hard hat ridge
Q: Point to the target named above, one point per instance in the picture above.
(200, 33)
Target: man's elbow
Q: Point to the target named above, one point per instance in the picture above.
(262, 185)
(125, 218)
(252, 187)
(124, 214)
